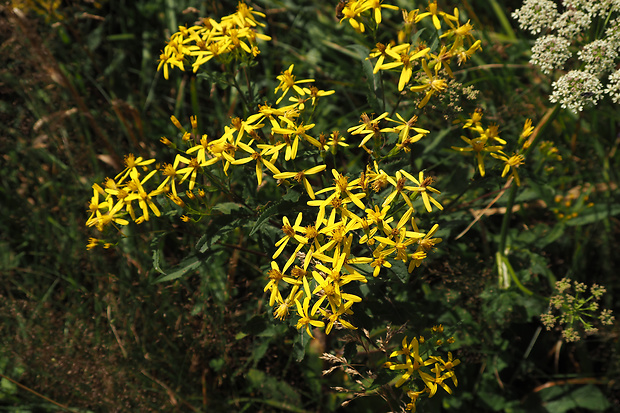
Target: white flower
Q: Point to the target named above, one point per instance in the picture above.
(576, 89)
(599, 56)
(613, 87)
(536, 15)
(593, 7)
(613, 31)
(550, 53)
(571, 23)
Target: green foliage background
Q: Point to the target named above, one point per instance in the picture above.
(93, 331)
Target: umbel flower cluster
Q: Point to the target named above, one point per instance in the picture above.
(583, 40)
(573, 309)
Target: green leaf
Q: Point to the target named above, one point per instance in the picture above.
(156, 246)
(276, 209)
(373, 80)
(292, 196)
(255, 325)
(190, 263)
(273, 389)
(399, 268)
(157, 260)
(227, 208)
(208, 240)
(590, 397)
(495, 401)
(299, 348)
(383, 377)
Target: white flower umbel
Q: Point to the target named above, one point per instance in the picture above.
(599, 56)
(576, 89)
(593, 7)
(572, 22)
(613, 87)
(536, 15)
(613, 32)
(550, 53)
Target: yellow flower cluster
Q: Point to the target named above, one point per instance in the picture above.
(416, 367)
(233, 36)
(348, 218)
(487, 140)
(243, 141)
(408, 57)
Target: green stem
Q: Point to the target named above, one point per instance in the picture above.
(503, 235)
(503, 20)
(246, 104)
(502, 260)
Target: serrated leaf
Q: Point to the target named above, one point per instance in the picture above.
(291, 196)
(399, 268)
(299, 348)
(276, 209)
(156, 245)
(207, 241)
(383, 377)
(157, 260)
(188, 264)
(227, 208)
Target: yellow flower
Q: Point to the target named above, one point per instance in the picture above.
(92, 243)
(275, 276)
(145, 200)
(102, 220)
(404, 59)
(425, 245)
(376, 8)
(463, 55)
(382, 51)
(301, 177)
(190, 171)
(510, 164)
(413, 361)
(259, 158)
(287, 82)
(478, 146)
(296, 131)
(405, 127)
(434, 12)
(399, 182)
(335, 141)
(335, 317)
(315, 93)
(379, 261)
(432, 84)
(282, 309)
(245, 16)
(172, 56)
(343, 186)
(424, 188)
(369, 127)
(352, 11)
(528, 129)
(305, 319)
(131, 164)
(290, 232)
